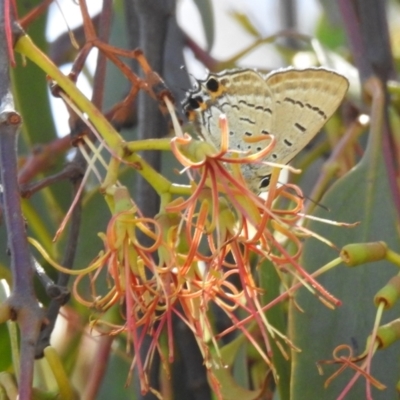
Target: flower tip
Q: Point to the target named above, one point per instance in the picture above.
(223, 122)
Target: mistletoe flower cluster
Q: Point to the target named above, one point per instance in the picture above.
(199, 250)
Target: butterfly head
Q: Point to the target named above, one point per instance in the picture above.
(202, 96)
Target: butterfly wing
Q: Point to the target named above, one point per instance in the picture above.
(304, 101)
(243, 96)
(291, 104)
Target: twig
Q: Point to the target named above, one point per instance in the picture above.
(22, 302)
(367, 29)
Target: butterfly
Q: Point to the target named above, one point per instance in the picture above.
(291, 104)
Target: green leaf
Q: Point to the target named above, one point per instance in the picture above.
(207, 16)
(270, 283)
(245, 23)
(30, 88)
(32, 102)
(329, 34)
(230, 389)
(362, 195)
(114, 384)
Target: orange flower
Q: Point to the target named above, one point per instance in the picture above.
(203, 250)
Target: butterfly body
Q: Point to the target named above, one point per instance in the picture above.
(291, 104)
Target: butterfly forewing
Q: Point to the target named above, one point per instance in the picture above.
(304, 100)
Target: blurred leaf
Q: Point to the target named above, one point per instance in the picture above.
(30, 87)
(30, 91)
(362, 195)
(270, 282)
(116, 85)
(245, 23)
(234, 375)
(95, 217)
(331, 36)
(207, 16)
(5, 349)
(114, 384)
(230, 389)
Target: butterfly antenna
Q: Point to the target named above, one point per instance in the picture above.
(304, 197)
(315, 202)
(183, 67)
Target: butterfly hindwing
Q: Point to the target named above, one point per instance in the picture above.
(304, 101)
(291, 104)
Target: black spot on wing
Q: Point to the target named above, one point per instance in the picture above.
(320, 112)
(212, 85)
(194, 102)
(222, 105)
(317, 110)
(265, 180)
(301, 128)
(287, 142)
(264, 109)
(246, 103)
(289, 100)
(247, 120)
(294, 102)
(308, 105)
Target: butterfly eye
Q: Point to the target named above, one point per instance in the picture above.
(265, 181)
(212, 85)
(194, 102)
